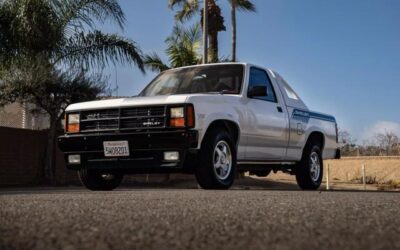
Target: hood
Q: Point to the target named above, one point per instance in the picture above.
(128, 102)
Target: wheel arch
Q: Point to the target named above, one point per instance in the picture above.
(229, 125)
(316, 136)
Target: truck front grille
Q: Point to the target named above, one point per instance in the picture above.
(123, 119)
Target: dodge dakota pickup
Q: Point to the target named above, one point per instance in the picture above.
(209, 120)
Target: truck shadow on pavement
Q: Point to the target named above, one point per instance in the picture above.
(189, 183)
(244, 183)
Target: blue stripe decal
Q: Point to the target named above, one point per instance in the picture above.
(304, 116)
(301, 115)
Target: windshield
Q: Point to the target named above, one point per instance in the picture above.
(204, 79)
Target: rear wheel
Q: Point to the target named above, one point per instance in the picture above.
(217, 161)
(99, 180)
(310, 170)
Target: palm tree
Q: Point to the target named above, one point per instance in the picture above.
(182, 49)
(56, 36)
(241, 5)
(215, 25)
(63, 32)
(188, 8)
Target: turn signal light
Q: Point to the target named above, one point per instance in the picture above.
(177, 122)
(72, 123)
(181, 117)
(73, 128)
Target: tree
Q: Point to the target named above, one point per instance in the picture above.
(345, 137)
(51, 91)
(386, 141)
(182, 49)
(215, 25)
(241, 5)
(63, 31)
(368, 148)
(41, 39)
(188, 8)
(347, 143)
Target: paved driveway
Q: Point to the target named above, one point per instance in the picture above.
(198, 219)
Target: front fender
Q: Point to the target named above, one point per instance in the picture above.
(219, 116)
(211, 108)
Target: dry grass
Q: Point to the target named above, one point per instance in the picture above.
(368, 180)
(390, 185)
(384, 172)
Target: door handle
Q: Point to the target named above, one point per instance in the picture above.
(279, 109)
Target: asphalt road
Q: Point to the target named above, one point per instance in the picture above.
(198, 219)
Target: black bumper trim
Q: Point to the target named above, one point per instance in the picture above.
(146, 150)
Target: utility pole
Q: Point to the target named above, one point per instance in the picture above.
(205, 32)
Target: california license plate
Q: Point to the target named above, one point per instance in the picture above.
(116, 148)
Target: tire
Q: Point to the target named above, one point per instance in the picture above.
(310, 170)
(99, 181)
(216, 169)
(261, 173)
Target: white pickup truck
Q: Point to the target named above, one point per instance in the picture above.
(209, 120)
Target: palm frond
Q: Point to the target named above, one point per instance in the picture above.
(77, 13)
(193, 34)
(244, 5)
(27, 27)
(224, 59)
(154, 63)
(173, 3)
(181, 3)
(188, 8)
(183, 45)
(99, 49)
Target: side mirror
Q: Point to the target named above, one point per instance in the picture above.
(257, 90)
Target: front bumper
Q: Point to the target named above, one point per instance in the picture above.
(146, 150)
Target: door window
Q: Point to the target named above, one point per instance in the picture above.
(259, 77)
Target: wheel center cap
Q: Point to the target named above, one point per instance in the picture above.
(223, 159)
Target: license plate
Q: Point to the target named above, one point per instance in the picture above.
(116, 148)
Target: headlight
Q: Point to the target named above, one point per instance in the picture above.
(182, 117)
(177, 112)
(177, 117)
(73, 123)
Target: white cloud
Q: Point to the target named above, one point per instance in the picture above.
(380, 127)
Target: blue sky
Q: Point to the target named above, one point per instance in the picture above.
(342, 57)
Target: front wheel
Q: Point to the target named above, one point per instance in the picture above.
(216, 169)
(99, 180)
(310, 170)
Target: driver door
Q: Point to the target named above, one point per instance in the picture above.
(267, 121)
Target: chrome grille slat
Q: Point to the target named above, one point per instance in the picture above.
(96, 114)
(138, 111)
(124, 119)
(100, 119)
(136, 117)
